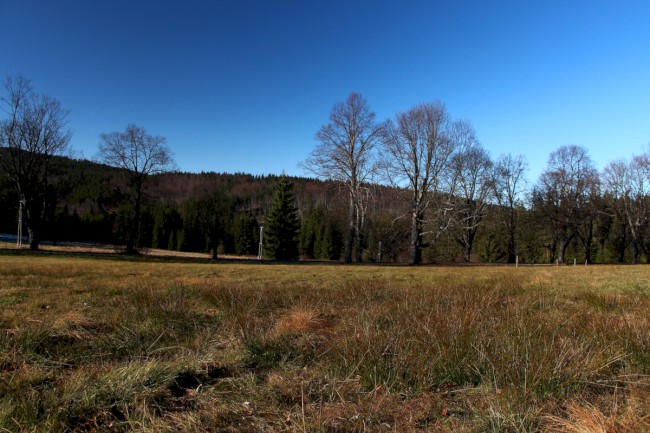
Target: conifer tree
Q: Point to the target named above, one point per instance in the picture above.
(309, 227)
(245, 234)
(282, 224)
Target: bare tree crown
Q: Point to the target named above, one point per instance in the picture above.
(136, 151)
(35, 123)
(418, 146)
(346, 143)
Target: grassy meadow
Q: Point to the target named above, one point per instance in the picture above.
(155, 345)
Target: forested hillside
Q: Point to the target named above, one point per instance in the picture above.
(195, 212)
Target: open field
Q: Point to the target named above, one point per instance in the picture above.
(108, 343)
(98, 248)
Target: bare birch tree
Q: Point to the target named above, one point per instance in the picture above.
(509, 186)
(473, 189)
(32, 131)
(345, 153)
(141, 155)
(418, 148)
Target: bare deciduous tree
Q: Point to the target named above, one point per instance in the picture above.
(615, 178)
(473, 172)
(141, 155)
(561, 193)
(509, 186)
(33, 131)
(345, 153)
(589, 207)
(629, 185)
(642, 164)
(418, 149)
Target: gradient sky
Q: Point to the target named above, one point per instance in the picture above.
(243, 85)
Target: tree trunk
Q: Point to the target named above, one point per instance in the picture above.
(358, 231)
(135, 227)
(512, 255)
(562, 249)
(469, 244)
(358, 244)
(416, 238)
(349, 234)
(468, 253)
(588, 254)
(34, 237)
(635, 250)
(33, 225)
(512, 251)
(587, 245)
(622, 238)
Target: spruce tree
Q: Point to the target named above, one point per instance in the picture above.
(245, 234)
(311, 218)
(282, 224)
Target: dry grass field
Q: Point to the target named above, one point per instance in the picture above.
(108, 343)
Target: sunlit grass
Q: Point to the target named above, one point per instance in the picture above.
(117, 344)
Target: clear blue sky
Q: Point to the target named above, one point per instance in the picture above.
(243, 85)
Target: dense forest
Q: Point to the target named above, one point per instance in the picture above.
(198, 212)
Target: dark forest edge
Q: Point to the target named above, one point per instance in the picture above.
(89, 206)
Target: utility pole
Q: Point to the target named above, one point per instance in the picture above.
(260, 250)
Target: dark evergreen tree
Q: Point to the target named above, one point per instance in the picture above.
(329, 241)
(191, 237)
(8, 204)
(311, 220)
(245, 234)
(214, 218)
(282, 224)
(145, 231)
(167, 222)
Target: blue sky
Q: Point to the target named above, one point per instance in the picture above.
(242, 86)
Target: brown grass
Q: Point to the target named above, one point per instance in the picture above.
(584, 417)
(300, 320)
(139, 344)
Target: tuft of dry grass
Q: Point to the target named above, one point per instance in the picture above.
(584, 417)
(301, 320)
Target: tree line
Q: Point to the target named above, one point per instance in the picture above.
(418, 187)
(450, 185)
